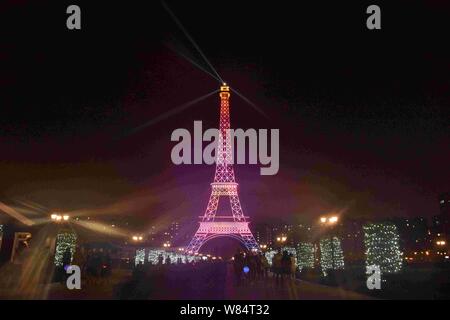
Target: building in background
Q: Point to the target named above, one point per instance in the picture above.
(415, 234)
(444, 216)
(351, 234)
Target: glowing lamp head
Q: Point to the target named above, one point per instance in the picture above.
(323, 220)
(54, 216)
(333, 219)
(65, 217)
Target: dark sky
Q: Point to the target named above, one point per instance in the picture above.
(363, 115)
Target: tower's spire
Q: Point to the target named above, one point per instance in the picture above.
(224, 91)
(224, 159)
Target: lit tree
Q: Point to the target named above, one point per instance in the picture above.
(140, 257)
(290, 250)
(65, 241)
(269, 255)
(331, 254)
(305, 255)
(382, 247)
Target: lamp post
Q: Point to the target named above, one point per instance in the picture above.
(281, 239)
(330, 221)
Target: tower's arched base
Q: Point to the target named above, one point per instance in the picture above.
(210, 230)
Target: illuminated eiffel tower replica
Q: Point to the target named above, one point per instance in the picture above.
(224, 185)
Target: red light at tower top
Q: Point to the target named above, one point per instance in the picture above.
(224, 185)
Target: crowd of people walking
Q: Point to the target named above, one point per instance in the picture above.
(249, 267)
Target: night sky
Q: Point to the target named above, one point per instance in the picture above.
(363, 115)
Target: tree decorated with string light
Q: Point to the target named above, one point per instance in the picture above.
(305, 255)
(382, 247)
(331, 254)
(65, 241)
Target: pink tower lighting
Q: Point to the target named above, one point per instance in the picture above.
(224, 185)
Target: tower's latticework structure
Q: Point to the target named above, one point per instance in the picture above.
(224, 185)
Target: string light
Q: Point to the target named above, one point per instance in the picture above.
(140, 257)
(382, 247)
(271, 253)
(305, 255)
(65, 241)
(154, 255)
(331, 255)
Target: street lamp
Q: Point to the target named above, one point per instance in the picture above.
(58, 218)
(333, 219)
(440, 243)
(281, 239)
(329, 220)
